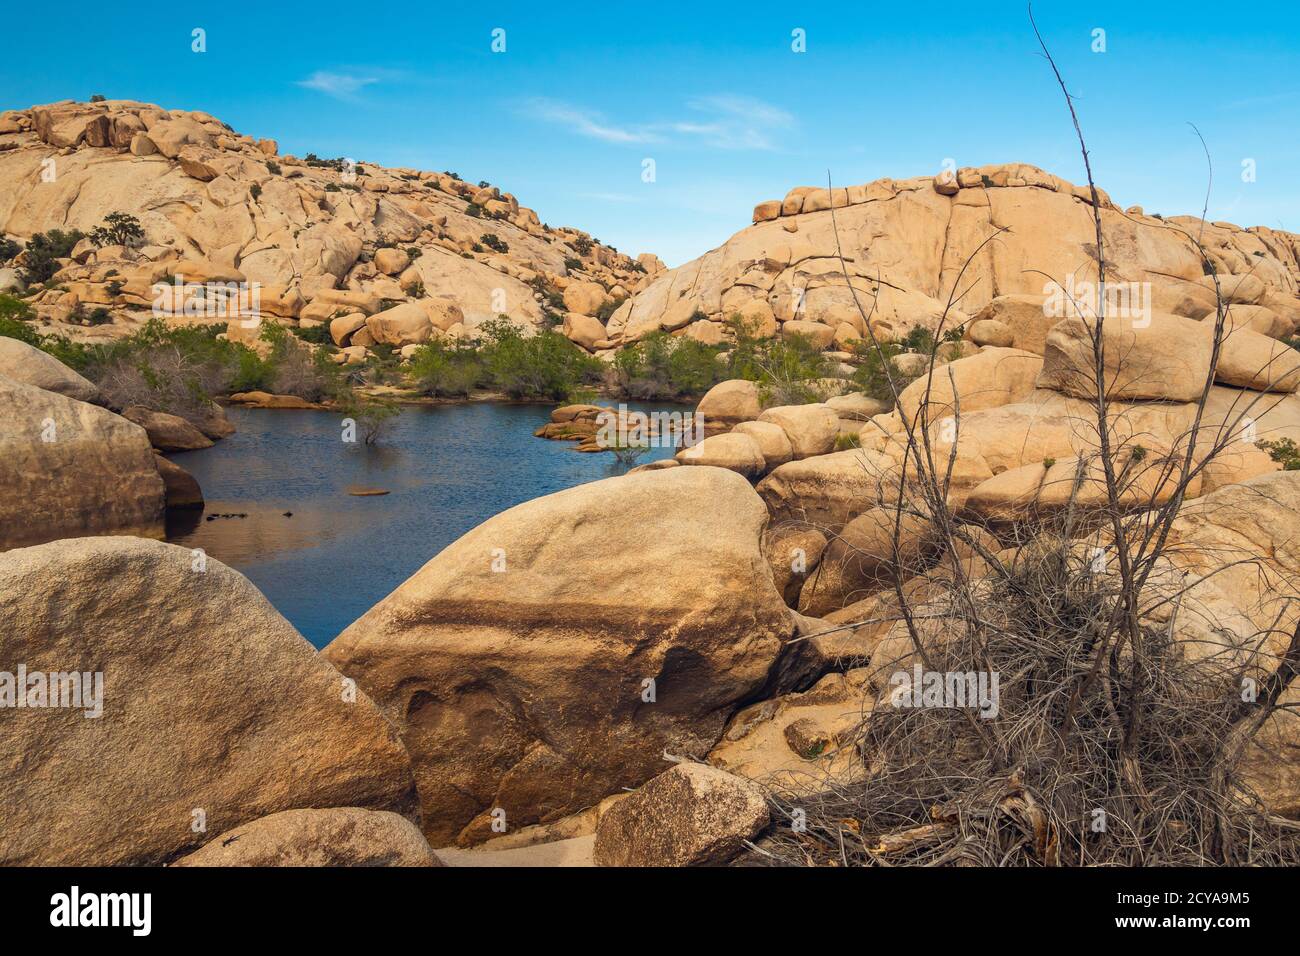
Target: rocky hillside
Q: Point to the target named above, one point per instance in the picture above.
(906, 242)
(216, 204)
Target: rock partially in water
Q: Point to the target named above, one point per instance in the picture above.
(549, 657)
(72, 468)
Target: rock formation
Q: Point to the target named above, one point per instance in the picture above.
(322, 238)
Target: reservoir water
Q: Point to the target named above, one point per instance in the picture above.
(280, 508)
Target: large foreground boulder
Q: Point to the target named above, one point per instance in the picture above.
(342, 836)
(550, 656)
(71, 469)
(213, 710)
(691, 815)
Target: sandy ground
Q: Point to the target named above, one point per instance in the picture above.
(572, 852)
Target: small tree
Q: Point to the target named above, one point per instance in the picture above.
(119, 229)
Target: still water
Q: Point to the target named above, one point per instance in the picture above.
(281, 513)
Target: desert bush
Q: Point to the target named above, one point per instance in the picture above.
(11, 328)
(665, 368)
(8, 249)
(608, 308)
(786, 368)
(373, 416)
(447, 369)
(15, 309)
(43, 251)
(541, 366)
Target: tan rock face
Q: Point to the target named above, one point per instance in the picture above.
(691, 815)
(799, 743)
(829, 490)
(1270, 767)
(812, 429)
(907, 241)
(72, 469)
(734, 451)
(1250, 360)
(729, 403)
(391, 261)
(1251, 531)
(583, 330)
(1163, 357)
(585, 298)
(515, 661)
(205, 687)
(199, 188)
(21, 362)
(182, 489)
(342, 328)
(994, 377)
(773, 444)
(864, 557)
(342, 836)
(793, 552)
(404, 324)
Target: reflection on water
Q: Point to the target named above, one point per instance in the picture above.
(281, 506)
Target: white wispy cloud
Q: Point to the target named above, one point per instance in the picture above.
(736, 122)
(340, 85)
(585, 122)
(720, 121)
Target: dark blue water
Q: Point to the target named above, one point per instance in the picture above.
(446, 468)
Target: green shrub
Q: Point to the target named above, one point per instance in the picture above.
(494, 242)
(316, 334)
(606, 311)
(43, 249)
(447, 370)
(786, 368)
(273, 167)
(582, 245)
(255, 190)
(372, 415)
(1283, 451)
(8, 249)
(541, 366)
(571, 264)
(474, 209)
(98, 98)
(871, 376)
(12, 307)
(666, 368)
(14, 329)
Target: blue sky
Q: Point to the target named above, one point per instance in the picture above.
(714, 94)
